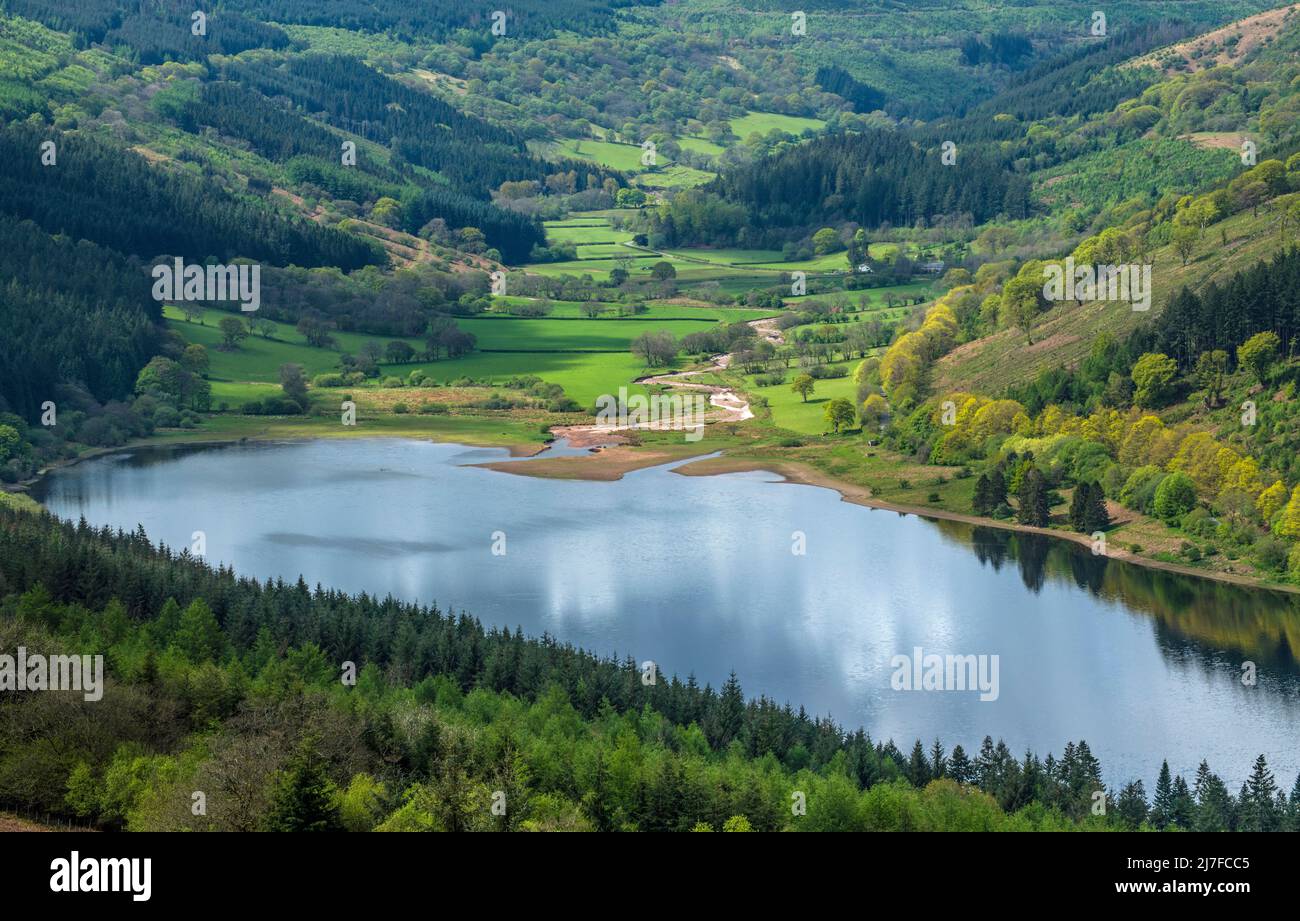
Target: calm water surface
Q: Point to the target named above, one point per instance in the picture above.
(697, 574)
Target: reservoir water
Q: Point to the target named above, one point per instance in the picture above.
(700, 575)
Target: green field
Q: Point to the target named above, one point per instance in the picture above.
(700, 145)
(763, 122)
(624, 157)
(584, 232)
(603, 250)
(573, 310)
(561, 335)
(734, 271)
(673, 176)
(789, 410)
(584, 356)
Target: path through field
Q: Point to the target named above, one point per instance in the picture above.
(731, 406)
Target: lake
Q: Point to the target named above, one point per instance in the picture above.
(702, 575)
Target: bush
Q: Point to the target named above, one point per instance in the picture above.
(1139, 490)
(1175, 497)
(166, 417)
(391, 383)
(828, 372)
(328, 380)
(272, 406)
(433, 409)
(1270, 553)
(401, 408)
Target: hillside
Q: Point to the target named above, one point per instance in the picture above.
(842, 232)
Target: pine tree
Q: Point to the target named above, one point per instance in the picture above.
(304, 798)
(1163, 802)
(1183, 810)
(981, 502)
(918, 769)
(1132, 805)
(986, 765)
(1095, 515)
(1034, 510)
(997, 489)
(1293, 807)
(938, 761)
(960, 768)
(730, 713)
(1078, 507)
(1259, 799)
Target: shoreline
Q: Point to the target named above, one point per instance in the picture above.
(802, 474)
(612, 461)
(209, 440)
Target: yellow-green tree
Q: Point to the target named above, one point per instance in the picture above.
(838, 414)
(1270, 500)
(1153, 376)
(1288, 523)
(1258, 353)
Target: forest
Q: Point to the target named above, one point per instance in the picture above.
(74, 312)
(98, 192)
(162, 33)
(870, 178)
(241, 690)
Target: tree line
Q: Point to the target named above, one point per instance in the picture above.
(208, 669)
(114, 197)
(869, 178)
(74, 312)
(155, 32)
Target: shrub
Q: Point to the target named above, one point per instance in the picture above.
(1270, 553)
(1139, 491)
(401, 408)
(328, 380)
(166, 417)
(1175, 497)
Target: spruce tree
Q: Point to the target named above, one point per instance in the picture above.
(1095, 515)
(981, 502)
(1078, 507)
(304, 798)
(1132, 805)
(1034, 509)
(986, 767)
(960, 769)
(918, 769)
(1293, 807)
(1259, 799)
(938, 760)
(1183, 810)
(1163, 802)
(997, 489)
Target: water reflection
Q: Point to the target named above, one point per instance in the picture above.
(1204, 616)
(697, 574)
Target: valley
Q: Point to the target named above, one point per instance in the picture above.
(841, 234)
